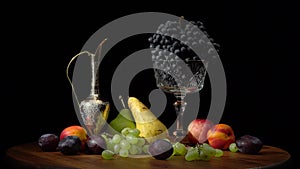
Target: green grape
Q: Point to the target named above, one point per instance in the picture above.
(233, 148)
(125, 131)
(139, 149)
(141, 142)
(117, 148)
(205, 146)
(110, 145)
(123, 152)
(146, 148)
(219, 153)
(204, 157)
(107, 154)
(125, 144)
(133, 150)
(208, 150)
(116, 138)
(132, 139)
(179, 149)
(106, 138)
(192, 154)
(135, 132)
(190, 149)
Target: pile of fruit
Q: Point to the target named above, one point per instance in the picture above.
(136, 131)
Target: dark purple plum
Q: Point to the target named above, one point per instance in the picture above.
(249, 144)
(161, 149)
(70, 145)
(48, 142)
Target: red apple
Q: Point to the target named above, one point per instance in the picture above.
(220, 136)
(197, 130)
(75, 131)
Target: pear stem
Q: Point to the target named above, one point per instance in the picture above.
(122, 101)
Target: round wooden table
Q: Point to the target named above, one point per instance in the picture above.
(29, 155)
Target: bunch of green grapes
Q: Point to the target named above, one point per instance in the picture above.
(125, 143)
(202, 152)
(128, 143)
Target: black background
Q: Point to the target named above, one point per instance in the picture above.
(259, 42)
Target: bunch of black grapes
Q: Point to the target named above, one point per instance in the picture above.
(175, 39)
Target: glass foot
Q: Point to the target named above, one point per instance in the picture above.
(179, 135)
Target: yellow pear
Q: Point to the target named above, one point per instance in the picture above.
(151, 128)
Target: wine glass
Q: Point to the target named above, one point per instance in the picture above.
(180, 77)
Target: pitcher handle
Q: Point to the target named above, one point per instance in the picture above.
(67, 73)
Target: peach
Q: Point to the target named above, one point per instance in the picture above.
(197, 130)
(220, 136)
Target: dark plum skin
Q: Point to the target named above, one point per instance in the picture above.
(48, 142)
(95, 144)
(69, 145)
(161, 149)
(249, 144)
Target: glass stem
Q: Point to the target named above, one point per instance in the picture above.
(179, 106)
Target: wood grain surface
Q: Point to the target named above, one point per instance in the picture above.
(29, 155)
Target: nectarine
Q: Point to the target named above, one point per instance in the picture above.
(220, 136)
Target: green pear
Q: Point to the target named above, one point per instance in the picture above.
(123, 119)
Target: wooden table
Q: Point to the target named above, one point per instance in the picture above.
(30, 156)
